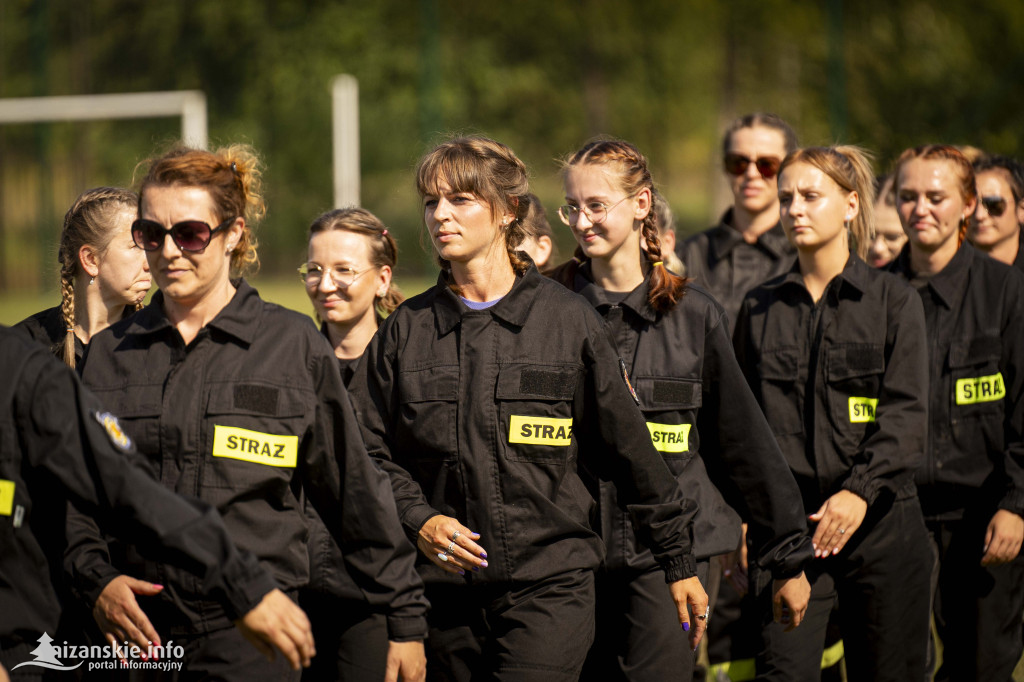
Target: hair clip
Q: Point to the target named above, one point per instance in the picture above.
(384, 233)
(234, 167)
(656, 263)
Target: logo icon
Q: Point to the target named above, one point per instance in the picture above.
(46, 656)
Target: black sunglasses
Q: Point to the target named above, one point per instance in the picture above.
(995, 206)
(189, 235)
(767, 166)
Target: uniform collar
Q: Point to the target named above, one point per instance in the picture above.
(512, 308)
(636, 300)
(853, 276)
(239, 318)
(950, 282)
(724, 238)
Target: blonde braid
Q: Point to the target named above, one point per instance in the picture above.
(67, 309)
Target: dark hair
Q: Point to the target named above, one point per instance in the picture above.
(961, 167)
(882, 182)
(383, 248)
(665, 288)
(88, 222)
(487, 169)
(1012, 167)
(536, 224)
(850, 168)
(231, 175)
(760, 119)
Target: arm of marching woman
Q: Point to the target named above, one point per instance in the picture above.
(354, 498)
(611, 423)
(895, 444)
(732, 426)
(86, 454)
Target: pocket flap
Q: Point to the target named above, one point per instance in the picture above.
(977, 351)
(537, 382)
(140, 401)
(780, 364)
(855, 360)
(429, 383)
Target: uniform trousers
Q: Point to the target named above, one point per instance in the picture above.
(519, 632)
(977, 608)
(351, 639)
(880, 579)
(639, 638)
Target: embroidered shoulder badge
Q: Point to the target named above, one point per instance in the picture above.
(114, 431)
(625, 377)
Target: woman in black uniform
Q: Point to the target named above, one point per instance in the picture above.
(701, 415)
(351, 257)
(240, 403)
(835, 353)
(972, 481)
(104, 276)
(483, 398)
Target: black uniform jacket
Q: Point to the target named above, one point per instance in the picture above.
(706, 424)
(245, 415)
(974, 309)
(58, 443)
(719, 260)
(47, 327)
(486, 416)
(843, 383)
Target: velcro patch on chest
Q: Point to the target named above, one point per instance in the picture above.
(262, 399)
(670, 437)
(540, 430)
(6, 497)
(862, 410)
(980, 389)
(255, 447)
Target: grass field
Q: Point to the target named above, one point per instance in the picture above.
(286, 291)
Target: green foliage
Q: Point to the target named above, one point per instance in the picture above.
(541, 76)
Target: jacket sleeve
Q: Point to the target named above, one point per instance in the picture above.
(733, 428)
(1012, 363)
(612, 423)
(354, 499)
(895, 442)
(87, 563)
(373, 393)
(83, 450)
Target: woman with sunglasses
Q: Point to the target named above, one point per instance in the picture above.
(700, 415)
(971, 484)
(748, 245)
(995, 226)
(240, 403)
(484, 399)
(104, 276)
(834, 350)
(351, 259)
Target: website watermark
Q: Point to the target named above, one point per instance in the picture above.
(118, 656)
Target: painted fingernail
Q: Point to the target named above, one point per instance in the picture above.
(483, 555)
(461, 572)
(483, 564)
(476, 569)
(686, 627)
(159, 587)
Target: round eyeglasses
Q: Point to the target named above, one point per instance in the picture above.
(312, 274)
(595, 210)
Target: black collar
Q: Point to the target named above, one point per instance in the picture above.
(512, 308)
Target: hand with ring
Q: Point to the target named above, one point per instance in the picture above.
(838, 519)
(451, 545)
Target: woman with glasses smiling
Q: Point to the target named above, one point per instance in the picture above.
(673, 341)
(240, 403)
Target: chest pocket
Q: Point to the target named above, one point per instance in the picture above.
(854, 374)
(252, 434)
(670, 407)
(780, 394)
(977, 387)
(535, 411)
(428, 412)
(138, 409)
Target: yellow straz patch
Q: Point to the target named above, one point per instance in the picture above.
(540, 430)
(6, 497)
(862, 410)
(256, 447)
(980, 389)
(670, 437)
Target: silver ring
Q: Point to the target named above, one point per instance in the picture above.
(442, 557)
(707, 612)
(842, 531)
(455, 535)
(451, 548)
